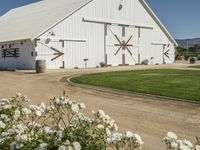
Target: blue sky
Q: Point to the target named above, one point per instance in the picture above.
(181, 17)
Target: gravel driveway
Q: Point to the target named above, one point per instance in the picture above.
(150, 117)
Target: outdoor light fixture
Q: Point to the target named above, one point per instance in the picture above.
(47, 41)
(51, 33)
(120, 5)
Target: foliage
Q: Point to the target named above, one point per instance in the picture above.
(195, 66)
(102, 64)
(190, 52)
(198, 57)
(59, 126)
(192, 60)
(145, 62)
(182, 84)
(173, 143)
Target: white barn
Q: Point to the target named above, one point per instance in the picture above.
(83, 33)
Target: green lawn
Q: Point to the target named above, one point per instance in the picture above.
(184, 84)
(195, 66)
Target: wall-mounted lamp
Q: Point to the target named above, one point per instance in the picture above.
(120, 5)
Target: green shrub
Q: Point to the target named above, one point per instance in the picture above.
(102, 64)
(198, 57)
(145, 62)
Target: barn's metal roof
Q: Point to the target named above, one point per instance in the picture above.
(34, 19)
(28, 21)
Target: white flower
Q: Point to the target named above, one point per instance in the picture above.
(75, 108)
(197, 147)
(76, 146)
(18, 94)
(82, 106)
(138, 139)
(115, 127)
(42, 146)
(48, 130)
(21, 138)
(114, 137)
(12, 146)
(101, 113)
(174, 145)
(188, 143)
(4, 100)
(171, 136)
(129, 134)
(42, 105)
(100, 126)
(38, 113)
(62, 147)
(16, 114)
(5, 118)
(67, 142)
(108, 133)
(7, 106)
(4, 134)
(57, 100)
(26, 111)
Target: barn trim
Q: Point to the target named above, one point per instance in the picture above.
(67, 16)
(144, 4)
(120, 23)
(157, 20)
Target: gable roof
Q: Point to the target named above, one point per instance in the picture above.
(157, 20)
(28, 21)
(34, 19)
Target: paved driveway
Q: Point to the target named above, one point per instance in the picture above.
(150, 117)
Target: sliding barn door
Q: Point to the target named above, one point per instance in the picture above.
(121, 45)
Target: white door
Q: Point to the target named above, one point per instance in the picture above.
(120, 45)
(157, 54)
(52, 52)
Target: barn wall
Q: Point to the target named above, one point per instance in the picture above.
(93, 47)
(24, 61)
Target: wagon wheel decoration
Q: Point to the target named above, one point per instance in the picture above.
(123, 44)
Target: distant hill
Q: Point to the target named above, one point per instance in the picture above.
(185, 43)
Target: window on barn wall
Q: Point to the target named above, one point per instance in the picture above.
(11, 52)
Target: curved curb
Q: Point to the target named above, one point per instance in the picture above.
(124, 92)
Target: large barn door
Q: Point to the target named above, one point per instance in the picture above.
(52, 52)
(120, 45)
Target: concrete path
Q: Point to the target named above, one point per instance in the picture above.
(148, 116)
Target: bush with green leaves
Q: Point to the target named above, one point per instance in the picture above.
(102, 64)
(59, 126)
(145, 62)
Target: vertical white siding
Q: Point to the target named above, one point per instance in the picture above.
(93, 48)
(25, 59)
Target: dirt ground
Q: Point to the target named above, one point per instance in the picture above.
(150, 117)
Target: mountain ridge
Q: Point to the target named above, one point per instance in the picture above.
(186, 43)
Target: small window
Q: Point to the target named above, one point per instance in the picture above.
(11, 52)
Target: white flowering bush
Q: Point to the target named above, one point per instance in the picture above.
(173, 143)
(59, 126)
